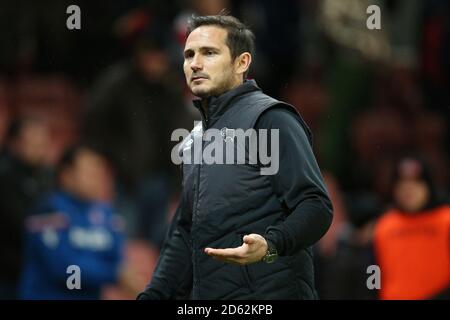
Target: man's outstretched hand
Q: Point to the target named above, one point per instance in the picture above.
(252, 250)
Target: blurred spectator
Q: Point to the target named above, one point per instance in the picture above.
(276, 26)
(344, 253)
(412, 239)
(343, 274)
(309, 95)
(140, 260)
(73, 225)
(4, 110)
(328, 244)
(133, 109)
(435, 57)
(23, 178)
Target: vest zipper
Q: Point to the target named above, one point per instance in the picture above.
(195, 215)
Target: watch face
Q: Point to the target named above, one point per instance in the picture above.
(271, 258)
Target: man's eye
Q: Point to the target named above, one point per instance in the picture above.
(210, 52)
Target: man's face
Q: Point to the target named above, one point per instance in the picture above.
(90, 177)
(32, 143)
(153, 64)
(208, 65)
(411, 194)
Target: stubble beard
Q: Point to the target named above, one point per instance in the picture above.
(223, 87)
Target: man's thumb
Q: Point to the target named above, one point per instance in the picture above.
(248, 239)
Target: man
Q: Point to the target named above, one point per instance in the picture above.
(73, 226)
(411, 240)
(24, 177)
(258, 228)
(129, 115)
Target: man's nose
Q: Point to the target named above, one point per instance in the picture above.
(196, 64)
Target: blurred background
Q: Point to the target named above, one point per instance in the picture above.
(371, 98)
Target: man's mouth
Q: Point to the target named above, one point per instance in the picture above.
(198, 78)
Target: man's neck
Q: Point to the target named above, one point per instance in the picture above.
(206, 100)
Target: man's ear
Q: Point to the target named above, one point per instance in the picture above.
(242, 62)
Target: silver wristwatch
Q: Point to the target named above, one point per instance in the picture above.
(271, 253)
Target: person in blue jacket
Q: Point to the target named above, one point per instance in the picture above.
(73, 239)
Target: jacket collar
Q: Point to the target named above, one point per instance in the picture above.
(218, 105)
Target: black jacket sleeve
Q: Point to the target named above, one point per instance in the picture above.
(298, 184)
(172, 278)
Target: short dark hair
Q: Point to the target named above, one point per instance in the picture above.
(71, 153)
(68, 157)
(18, 124)
(240, 38)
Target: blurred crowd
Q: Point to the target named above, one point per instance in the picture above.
(86, 115)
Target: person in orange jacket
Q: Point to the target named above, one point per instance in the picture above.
(412, 240)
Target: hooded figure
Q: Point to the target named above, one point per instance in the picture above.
(412, 187)
(412, 239)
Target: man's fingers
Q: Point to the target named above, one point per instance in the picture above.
(234, 253)
(230, 255)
